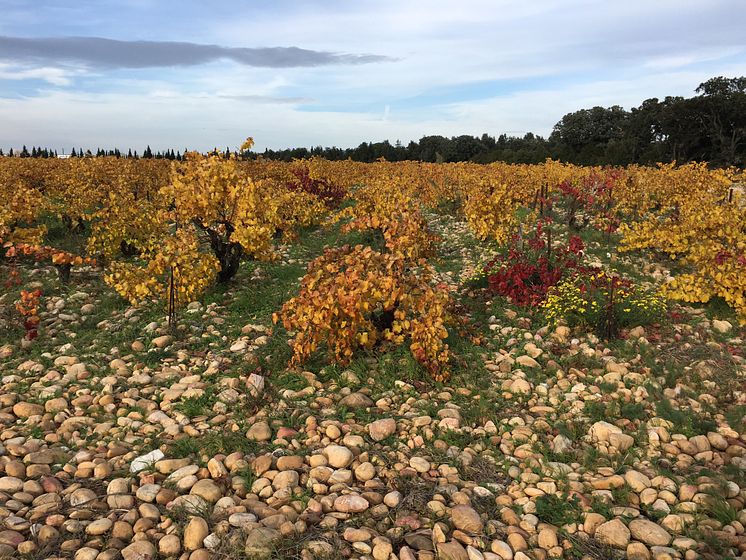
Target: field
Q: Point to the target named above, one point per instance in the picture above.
(232, 359)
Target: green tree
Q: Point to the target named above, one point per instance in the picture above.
(723, 114)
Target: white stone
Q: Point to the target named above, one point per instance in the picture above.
(145, 461)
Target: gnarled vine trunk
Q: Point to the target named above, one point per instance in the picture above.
(228, 253)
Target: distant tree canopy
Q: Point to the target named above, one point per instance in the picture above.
(709, 126)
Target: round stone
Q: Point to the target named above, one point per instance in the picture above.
(338, 456)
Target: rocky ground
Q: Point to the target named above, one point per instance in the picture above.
(119, 438)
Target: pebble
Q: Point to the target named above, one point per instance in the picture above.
(381, 429)
(338, 456)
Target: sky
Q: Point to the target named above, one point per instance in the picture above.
(188, 74)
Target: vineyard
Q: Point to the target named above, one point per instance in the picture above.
(234, 358)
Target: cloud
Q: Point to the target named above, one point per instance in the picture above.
(54, 76)
(252, 98)
(264, 98)
(468, 67)
(63, 118)
(112, 54)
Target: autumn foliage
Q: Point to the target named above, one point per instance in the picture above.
(698, 219)
(532, 265)
(28, 307)
(357, 298)
(169, 230)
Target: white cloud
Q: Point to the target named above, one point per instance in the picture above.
(165, 119)
(51, 75)
(567, 54)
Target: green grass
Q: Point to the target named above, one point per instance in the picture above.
(596, 410)
(201, 405)
(558, 510)
(718, 508)
(291, 380)
(717, 308)
(211, 443)
(687, 422)
(571, 430)
(633, 411)
(736, 417)
(460, 439)
(247, 300)
(478, 409)
(608, 387)
(605, 409)
(273, 357)
(391, 365)
(293, 416)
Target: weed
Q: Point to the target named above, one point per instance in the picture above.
(653, 514)
(621, 494)
(684, 421)
(487, 505)
(608, 387)
(415, 491)
(713, 546)
(200, 405)
(199, 508)
(590, 548)
(212, 443)
(571, 430)
(483, 470)
(717, 507)
(602, 507)
(558, 510)
(633, 411)
(596, 410)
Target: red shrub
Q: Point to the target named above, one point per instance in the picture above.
(331, 193)
(526, 271)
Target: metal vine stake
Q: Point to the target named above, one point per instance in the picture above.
(172, 286)
(607, 212)
(610, 310)
(171, 299)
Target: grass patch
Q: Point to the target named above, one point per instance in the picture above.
(558, 510)
(684, 421)
(201, 405)
(589, 548)
(718, 508)
(484, 471)
(415, 491)
(212, 443)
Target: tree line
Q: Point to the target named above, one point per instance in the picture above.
(51, 153)
(709, 126)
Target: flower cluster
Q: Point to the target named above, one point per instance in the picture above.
(604, 302)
